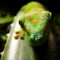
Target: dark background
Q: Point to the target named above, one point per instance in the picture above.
(15, 5)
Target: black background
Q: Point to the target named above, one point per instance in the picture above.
(15, 5)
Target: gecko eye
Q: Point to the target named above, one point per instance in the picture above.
(21, 23)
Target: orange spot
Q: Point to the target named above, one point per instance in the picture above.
(33, 21)
(21, 35)
(26, 29)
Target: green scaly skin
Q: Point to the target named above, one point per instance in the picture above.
(35, 18)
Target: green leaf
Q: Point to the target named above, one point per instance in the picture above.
(6, 19)
(17, 49)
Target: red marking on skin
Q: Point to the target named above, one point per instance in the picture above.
(47, 25)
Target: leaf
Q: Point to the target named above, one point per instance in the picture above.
(17, 49)
(6, 19)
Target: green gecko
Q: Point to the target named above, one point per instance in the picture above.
(34, 22)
